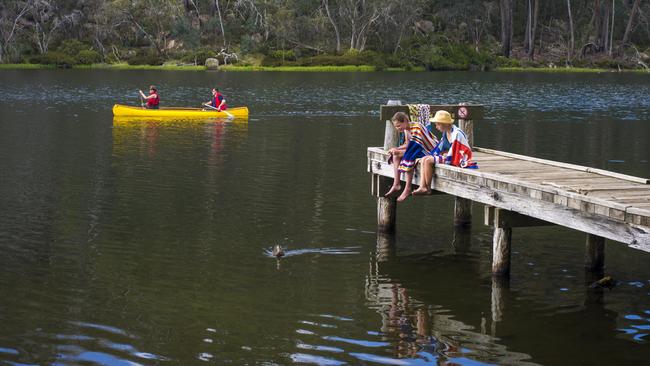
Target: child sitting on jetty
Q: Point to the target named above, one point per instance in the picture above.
(419, 143)
(453, 149)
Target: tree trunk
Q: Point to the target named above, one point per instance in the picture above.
(611, 32)
(531, 27)
(630, 21)
(602, 15)
(336, 28)
(223, 32)
(506, 27)
(572, 39)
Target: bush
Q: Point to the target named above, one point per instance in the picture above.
(87, 57)
(72, 47)
(199, 56)
(56, 58)
(284, 55)
(146, 57)
(507, 62)
(606, 63)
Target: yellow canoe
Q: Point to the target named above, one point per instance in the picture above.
(120, 110)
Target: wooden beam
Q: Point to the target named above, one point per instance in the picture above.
(475, 112)
(637, 237)
(501, 218)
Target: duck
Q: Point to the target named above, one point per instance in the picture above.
(278, 251)
(605, 282)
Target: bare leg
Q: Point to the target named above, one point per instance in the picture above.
(426, 172)
(397, 186)
(407, 187)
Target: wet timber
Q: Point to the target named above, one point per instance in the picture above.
(521, 191)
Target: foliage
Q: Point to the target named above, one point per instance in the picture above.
(87, 57)
(72, 47)
(145, 57)
(436, 35)
(198, 56)
(59, 59)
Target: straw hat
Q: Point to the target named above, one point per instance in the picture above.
(443, 117)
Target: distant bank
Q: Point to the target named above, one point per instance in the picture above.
(345, 68)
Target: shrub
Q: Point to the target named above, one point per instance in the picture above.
(56, 58)
(606, 63)
(146, 57)
(87, 57)
(284, 55)
(199, 56)
(507, 62)
(72, 47)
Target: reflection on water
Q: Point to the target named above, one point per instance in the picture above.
(421, 332)
(143, 242)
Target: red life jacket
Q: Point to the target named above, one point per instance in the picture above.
(216, 101)
(153, 101)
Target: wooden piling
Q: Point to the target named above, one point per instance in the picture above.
(463, 206)
(385, 246)
(497, 303)
(501, 247)
(386, 206)
(503, 221)
(595, 253)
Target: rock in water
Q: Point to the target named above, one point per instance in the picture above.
(278, 251)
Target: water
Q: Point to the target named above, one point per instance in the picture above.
(146, 243)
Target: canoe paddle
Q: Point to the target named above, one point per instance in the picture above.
(210, 106)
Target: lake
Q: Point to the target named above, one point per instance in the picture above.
(145, 243)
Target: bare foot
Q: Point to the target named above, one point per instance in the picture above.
(421, 191)
(404, 195)
(393, 189)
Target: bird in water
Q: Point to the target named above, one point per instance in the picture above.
(278, 251)
(605, 282)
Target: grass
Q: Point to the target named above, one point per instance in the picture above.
(125, 66)
(564, 70)
(25, 66)
(298, 68)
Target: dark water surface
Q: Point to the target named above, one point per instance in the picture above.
(144, 243)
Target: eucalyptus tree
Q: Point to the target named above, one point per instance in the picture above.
(11, 24)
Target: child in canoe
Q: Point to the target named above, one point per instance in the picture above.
(153, 100)
(217, 102)
(419, 143)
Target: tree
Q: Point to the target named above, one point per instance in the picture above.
(630, 21)
(10, 24)
(337, 34)
(572, 42)
(531, 27)
(506, 27)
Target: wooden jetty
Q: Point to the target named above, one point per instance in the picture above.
(521, 191)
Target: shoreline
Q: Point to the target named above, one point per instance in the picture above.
(347, 68)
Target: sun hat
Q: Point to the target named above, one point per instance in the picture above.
(443, 117)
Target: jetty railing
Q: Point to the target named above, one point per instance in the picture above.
(523, 191)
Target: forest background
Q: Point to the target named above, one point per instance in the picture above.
(382, 34)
